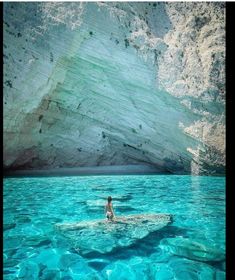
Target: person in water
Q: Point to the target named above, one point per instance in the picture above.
(109, 209)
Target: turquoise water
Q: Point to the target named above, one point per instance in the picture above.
(192, 247)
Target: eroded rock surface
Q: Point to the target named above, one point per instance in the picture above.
(103, 236)
(88, 84)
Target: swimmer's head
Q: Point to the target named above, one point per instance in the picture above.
(109, 199)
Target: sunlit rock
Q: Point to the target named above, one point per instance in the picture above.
(90, 84)
(103, 236)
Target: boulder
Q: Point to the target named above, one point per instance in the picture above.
(104, 236)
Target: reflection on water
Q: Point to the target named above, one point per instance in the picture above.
(192, 247)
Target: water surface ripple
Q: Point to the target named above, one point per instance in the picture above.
(192, 247)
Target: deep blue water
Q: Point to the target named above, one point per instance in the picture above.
(192, 247)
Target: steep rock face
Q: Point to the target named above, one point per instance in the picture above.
(89, 84)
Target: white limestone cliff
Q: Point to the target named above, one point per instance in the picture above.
(90, 84)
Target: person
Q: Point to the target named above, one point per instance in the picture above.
(109, 209)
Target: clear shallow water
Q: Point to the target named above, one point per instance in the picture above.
(33, 249)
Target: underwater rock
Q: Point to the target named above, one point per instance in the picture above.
(118, 270)
(103, 236)
(140, 267)
(13, 242)
(220, 275)
(134, 269)
(191, 249)
(8, 226)
(10, 262)
(193, 270)
(47, 257)
(37, 241)
(28, 270)
(98, 264)
(49, 274)
(67, 277)
(77, 266)
(67, 260)
(5, 257)
(22, 252)
(23, 219)
(161, 271)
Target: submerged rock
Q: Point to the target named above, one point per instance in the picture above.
(37, 241)
(50, 274)
(9, 226)
(75, 264)
(119, 270)
(28, 270)
(193, 270)
(176, 268)
(103, 236)
(191, 249)
(47, 257)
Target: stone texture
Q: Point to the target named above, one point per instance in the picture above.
(89, 84)
(192, 249)
(188, 269)
(103, 236)
(176, 268)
